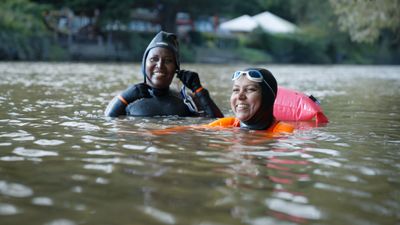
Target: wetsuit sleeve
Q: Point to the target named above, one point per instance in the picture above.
(118, 104)
(207, 104)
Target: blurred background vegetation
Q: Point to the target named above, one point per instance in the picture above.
(330, 32)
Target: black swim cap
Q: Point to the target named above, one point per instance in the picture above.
(264, 117)
(163, 40)
(268, 97)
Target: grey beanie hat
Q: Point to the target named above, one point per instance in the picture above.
(165, 40)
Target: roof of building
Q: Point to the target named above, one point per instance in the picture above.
(266, 20)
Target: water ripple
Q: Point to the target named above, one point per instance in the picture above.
(105, 168)
(6, 144)
(12, 158)
(134, 147)
(81, 125)
(21, 135)
(44, 201)
(290, 196)
(294, 209)
(323, 150)
(56, 109)
(159, 215)
(125, 161)
(15, 190)
(49, 142)
(33, 152)
(8, 209)
(342, 190)
(61, 222)
(327, 162)
(103, 152)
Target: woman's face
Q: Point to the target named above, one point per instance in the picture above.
(160, 67)
(246, 98)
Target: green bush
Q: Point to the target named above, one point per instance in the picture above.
(291, 48)
(23, 35)
(312, 45)
(15, 45)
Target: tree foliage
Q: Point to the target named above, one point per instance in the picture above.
(21, 15)
(23, 34)
(365, 20)
(22, 30)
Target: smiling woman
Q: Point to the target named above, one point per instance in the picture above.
(160, 65)
(252, 101)
(153, 97)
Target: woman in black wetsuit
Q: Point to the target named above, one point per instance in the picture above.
(154, 97)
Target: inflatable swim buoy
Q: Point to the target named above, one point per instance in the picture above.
(291, 105)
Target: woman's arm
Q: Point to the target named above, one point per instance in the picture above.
(191, 80)
(207, 104)
(118, 104)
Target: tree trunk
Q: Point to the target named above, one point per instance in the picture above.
(167, 15)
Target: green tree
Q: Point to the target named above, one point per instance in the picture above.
(120, 10)
(23, 34)
(365, 20)
(22, 16)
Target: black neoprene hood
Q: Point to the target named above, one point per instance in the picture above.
(164, 40)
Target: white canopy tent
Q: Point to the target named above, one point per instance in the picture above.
(266, 20)
(243, 23)
(274, 24)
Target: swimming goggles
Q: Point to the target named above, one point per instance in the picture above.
(253, 75)
(188, 101)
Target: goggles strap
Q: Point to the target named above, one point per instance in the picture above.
(188, 100)
(238, 74)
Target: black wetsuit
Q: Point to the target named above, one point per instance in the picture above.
(164, 102)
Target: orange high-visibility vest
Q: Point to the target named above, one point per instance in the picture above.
(277, 127)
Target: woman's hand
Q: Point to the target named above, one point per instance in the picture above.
(190, 79)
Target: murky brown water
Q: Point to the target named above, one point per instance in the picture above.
(63, 163)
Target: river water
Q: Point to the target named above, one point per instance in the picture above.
(63, 163)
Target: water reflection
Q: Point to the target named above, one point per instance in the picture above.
(59, 154)
(272, 167)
